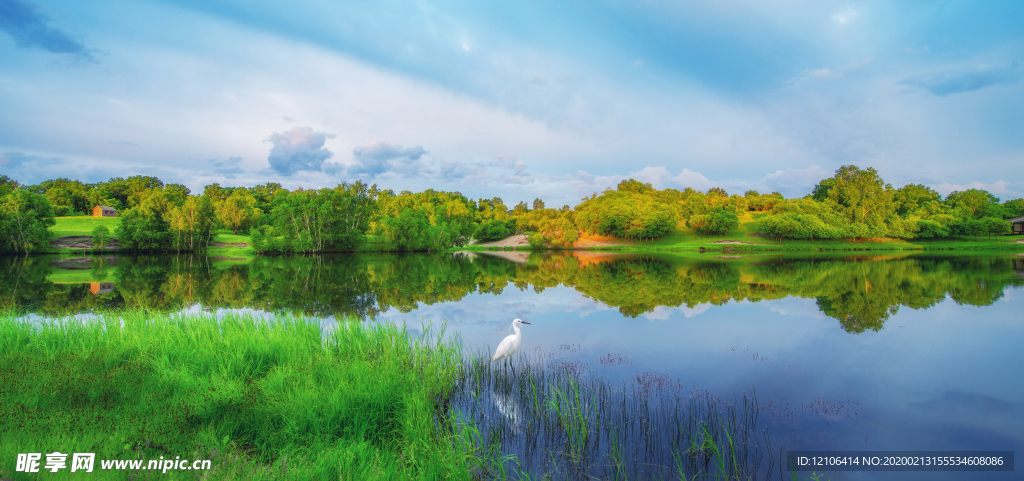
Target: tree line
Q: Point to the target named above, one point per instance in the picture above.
(854, 203)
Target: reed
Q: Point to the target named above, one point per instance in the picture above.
(560, 423)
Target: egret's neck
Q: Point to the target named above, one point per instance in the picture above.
(516, 329)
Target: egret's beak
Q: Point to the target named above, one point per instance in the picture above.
(524, 322)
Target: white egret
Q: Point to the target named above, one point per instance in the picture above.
(510, 344)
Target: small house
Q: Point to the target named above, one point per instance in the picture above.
(1018, 225)
(101, 287)
(104, 211)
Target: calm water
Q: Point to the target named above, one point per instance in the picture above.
(885, 352)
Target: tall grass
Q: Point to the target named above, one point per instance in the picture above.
(279, 399)
(562, 424)
(288, 399)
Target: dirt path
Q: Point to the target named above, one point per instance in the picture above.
(589, 240)
(736, 242)
(79, 242)
(229, 244)
(510, 241)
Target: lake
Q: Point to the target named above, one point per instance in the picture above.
(868, 352)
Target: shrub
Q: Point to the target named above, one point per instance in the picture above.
(493, 230)
(715, 222)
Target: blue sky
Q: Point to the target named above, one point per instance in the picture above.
(522, 99)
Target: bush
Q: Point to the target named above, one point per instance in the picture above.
(536, 241)
(494, 230)
(715, 222)
(930, 229)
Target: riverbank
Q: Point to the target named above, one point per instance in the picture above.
(75, 239)
(264, 399)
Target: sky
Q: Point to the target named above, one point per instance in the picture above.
(520, 100)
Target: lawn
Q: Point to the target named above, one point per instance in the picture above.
(82, 225)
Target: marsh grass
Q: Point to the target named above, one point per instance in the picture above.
(560, 423)
(278, 399)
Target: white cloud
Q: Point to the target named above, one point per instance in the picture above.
(1000, 188)
(299, 148)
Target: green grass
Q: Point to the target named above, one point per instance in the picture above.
(279, 399)
(236, 254)
(67, 276)
(82, 225)
(373, 243)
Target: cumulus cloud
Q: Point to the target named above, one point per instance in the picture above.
(377, 157)
(29, 29)
(298, 149)
(966, 80)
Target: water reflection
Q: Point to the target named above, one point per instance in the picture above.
(860, 292)
(935, 376)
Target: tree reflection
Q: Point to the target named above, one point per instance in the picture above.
(861, 292)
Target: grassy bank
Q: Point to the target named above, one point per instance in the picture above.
(224, 243)
(280, 399)
(82, 225)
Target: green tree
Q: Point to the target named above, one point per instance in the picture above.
(237, 211)
(450, 217)
(25, 218)
(974, 203)
(911, 197)
(520, 209)
(995, 226)
(718, 192)
(129, 192)
(64, 195)
(488, 209)
(266, 193)
(862, 198)
(1013, 208)
(7, 185)
(100, 237)
(408, 231)
(635, 186)
(141, 230)
(324, 220)
(494, 229)
(626, 214)
(972, 227)
(931, 229)
(191, 224)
